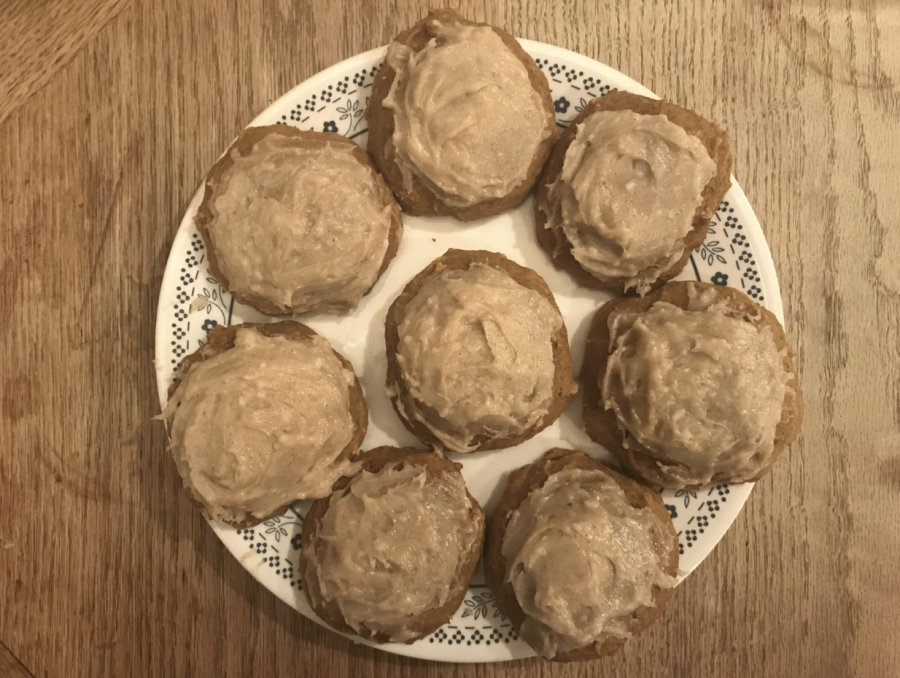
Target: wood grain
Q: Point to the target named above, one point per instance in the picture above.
(10, 667)
(111, 112)
(40, 37)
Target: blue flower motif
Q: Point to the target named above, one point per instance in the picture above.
(720, 279)
(672, 512)
(561, 105)
(330, 126)
(208, 324)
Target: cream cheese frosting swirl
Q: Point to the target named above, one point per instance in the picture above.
(627, 194)
(467, 119)
(581, 560)
(390, 547)
(703, 388)
(476, 355)
(261, 425)
(299, 225)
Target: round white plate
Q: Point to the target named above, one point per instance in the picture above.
(191, 302)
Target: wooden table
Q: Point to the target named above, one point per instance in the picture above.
(111, 111)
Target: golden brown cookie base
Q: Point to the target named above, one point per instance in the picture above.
(519, 485)
(373, 461)
(603, 427)
(564, 386)
(554, 240)
(420, 200)
(244, 144)
(221, 339)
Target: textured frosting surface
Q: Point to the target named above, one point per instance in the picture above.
(702, 387)
(627, 194)
(467, 119)
(301, 226)
(581, 560)
(392, 546)
(476, 355)
(262, 424)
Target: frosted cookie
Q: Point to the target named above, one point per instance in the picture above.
(579, 557)
(460, 120)
(261, 416)
(478, 354)
(296, 222)
(691, 385)
(388, 556)
(629, 191)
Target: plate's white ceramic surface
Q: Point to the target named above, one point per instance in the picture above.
(192, 302)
